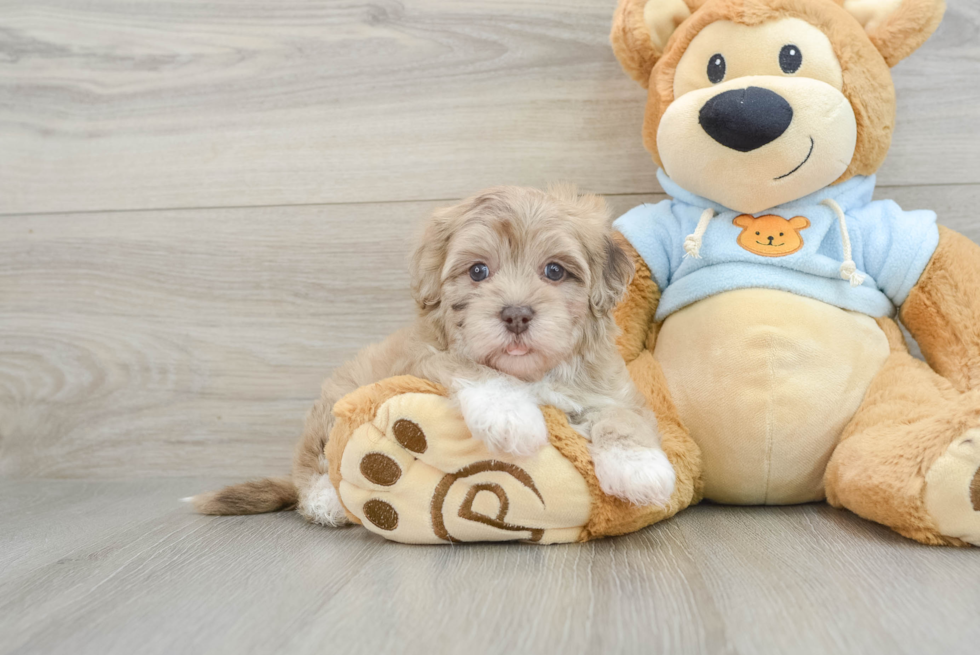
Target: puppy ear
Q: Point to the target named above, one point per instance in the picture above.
(897, 27)
(612, 269)
(640, 32)
(429, 258)
(615, 275)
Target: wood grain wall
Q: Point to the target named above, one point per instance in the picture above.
(204, 207)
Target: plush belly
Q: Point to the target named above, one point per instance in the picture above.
(766, 381)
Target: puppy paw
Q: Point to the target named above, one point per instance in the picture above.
(504, 416)
(643, 476)
(320, 504)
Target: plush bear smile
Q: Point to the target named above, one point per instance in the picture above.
(805, 160)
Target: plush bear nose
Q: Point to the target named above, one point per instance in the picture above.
(516, 318)
(746, 119)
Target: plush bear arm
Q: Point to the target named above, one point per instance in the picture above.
(943, 310)
(634, 314)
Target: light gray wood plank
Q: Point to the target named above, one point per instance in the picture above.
(165, 580)
(121, 567)
(161, 332)
(129, 104)
(182, 343)
(831, 583)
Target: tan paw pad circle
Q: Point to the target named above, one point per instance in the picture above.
(381, 514)
(410, 436)
(380, 469)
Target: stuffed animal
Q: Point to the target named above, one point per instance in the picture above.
(406, 467)
(761, 324)
(770, 284)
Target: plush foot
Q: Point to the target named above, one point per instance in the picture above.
(414, 474)
(504, 416)
(643, 476)
(952, 494)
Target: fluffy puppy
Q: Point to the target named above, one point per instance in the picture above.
(515, 289)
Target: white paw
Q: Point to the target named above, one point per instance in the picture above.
(321, 504)
(503, 415)
(643, 476)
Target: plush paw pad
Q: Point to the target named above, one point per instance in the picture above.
(975, 492)
(415, 474)
(643, 476)
(952, 494)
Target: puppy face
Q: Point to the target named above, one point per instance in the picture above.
(520, 280)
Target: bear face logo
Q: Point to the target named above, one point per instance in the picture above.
(771, 236)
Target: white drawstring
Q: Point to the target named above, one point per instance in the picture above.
(848, 270)
(692, 244)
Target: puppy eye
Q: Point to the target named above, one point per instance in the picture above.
(716, 68)
(790, 59)
(479, 272)
(554, 272)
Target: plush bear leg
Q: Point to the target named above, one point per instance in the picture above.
(910, 459)
(676, 442)
(405, 467)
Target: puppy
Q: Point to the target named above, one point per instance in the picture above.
(515, 289)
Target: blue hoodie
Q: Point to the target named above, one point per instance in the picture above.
(807, 254)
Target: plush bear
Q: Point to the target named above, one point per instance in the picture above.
(406, 467)
(770, 284)
(761, 324)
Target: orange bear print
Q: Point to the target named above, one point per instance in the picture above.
(771, 236)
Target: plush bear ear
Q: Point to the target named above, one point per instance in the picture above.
(897, 27)
(640, 31)
(799, 222)
(743, 221)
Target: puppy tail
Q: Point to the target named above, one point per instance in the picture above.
(254, 497)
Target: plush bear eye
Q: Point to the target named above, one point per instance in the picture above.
(554, 272)
(716, 68)
(479, 272)
(790, 59)
(758, 233)
(780, 234)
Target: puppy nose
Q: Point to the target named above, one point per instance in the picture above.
(745, 119)
(516, 318)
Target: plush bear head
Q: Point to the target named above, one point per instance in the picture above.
(754, 103)
(771, 236)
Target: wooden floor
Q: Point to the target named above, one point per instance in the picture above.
(118, 567)
(205, 206)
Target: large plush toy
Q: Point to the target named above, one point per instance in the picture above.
(761, 323)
